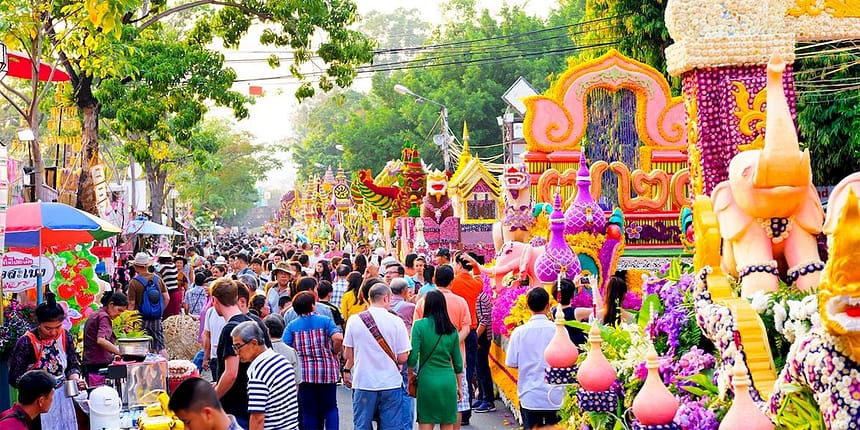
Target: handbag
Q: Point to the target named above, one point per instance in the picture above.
(412, 381)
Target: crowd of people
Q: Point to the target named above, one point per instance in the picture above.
(283, 325)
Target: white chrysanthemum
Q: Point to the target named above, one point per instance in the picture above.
(759, 301)
(779, 315)
(795, 310)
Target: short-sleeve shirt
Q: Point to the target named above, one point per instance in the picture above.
(235, 400)
(373, 369)
(458, 312)
(135, 288)
(98, 326)
(525, 352)
(272, 391)
(310, 336)
(214, 323)
(195, 298)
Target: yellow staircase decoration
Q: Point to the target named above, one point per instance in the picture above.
(756, 346)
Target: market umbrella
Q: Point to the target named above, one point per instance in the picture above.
(21, 66)
(52, 225)
(147, 227)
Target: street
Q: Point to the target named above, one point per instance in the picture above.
(500, 419)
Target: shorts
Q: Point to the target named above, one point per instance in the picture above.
(463, 404)
(155, 330)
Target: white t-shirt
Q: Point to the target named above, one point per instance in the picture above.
(214, 324)
(373, 369)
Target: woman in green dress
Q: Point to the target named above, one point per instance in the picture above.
(436, 347)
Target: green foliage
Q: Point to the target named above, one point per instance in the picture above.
(828, 113)
(226, 184)
(468, 76)
(297, 25)
(638, 27)
(799, 410)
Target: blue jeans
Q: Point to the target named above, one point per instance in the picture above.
(408, 403)
(319, 406)
(471, 365)
(386, 404)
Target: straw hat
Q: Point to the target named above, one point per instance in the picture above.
(283, 266)
(220, 261)
(142, 259)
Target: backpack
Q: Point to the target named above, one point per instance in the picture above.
(152, 305)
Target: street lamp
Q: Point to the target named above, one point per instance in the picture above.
(444, 140)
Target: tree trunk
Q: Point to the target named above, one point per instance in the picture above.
(156, 177)
(90, 143)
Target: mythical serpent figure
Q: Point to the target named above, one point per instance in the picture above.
(517, 219)
(826, 360)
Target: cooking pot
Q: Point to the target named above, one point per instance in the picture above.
(136, 346)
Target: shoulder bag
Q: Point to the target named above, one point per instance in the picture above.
(412, 381)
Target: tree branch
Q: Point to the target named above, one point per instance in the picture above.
(12, 103)
(186, 6)
(15, 92)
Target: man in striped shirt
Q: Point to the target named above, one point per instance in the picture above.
(272, 396)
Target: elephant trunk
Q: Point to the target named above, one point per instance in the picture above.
(780, 162)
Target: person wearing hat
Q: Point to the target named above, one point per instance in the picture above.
(283, 274)
(153, 328)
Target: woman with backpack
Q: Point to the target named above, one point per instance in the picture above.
(49, 347)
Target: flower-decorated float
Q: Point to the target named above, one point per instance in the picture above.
(746, 336)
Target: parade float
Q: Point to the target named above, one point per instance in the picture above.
(706, 199)
(756, 331)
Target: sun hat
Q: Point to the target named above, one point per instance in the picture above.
(165, 253)
(283, 266)
(141, 259)
(388, 260)
(220, 261)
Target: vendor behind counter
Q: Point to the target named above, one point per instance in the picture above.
(100, 344)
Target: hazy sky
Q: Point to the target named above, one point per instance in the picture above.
(270, 116)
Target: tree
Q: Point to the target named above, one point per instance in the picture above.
(227, 184)
(158, 108)
(827, 111)
(92, 38)
(45, 31)
(637, 26)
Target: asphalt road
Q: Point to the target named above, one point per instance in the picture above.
(500, 419)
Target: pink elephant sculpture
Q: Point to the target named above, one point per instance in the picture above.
(768, 210)
(515, 257)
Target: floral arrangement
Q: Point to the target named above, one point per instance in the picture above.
(686, 358)
(18, 319)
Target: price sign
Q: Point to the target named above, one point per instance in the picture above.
(20, 271)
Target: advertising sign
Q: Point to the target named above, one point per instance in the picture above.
(20, 271)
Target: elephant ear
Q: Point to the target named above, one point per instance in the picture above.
(733, 220)
(810, 215)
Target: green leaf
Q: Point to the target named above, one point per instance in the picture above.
(651, 305)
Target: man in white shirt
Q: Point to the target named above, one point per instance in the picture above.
(212, 326)
(525, 352)
(377, 381)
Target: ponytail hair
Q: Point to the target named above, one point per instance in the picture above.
(49, 310)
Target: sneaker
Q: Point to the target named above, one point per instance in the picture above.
(477, 404)
(485, 407)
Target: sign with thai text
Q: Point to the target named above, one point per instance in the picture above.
(20, 271)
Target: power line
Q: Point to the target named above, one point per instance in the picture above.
(481, 61)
